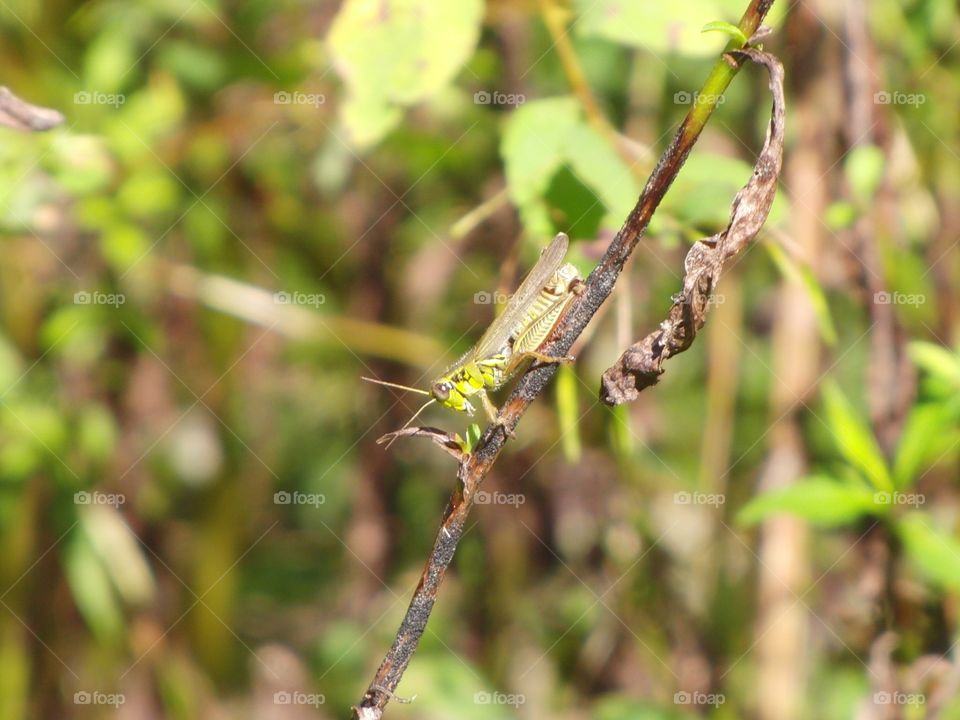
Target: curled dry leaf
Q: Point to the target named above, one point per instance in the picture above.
(641, 365)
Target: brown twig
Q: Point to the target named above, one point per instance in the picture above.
(598, 287)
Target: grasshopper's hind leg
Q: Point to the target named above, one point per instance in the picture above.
(539, 357)
(545, 359)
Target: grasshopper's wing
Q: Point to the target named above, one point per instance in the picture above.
(503, 326)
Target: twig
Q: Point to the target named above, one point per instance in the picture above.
(598, 287)
(19, 114)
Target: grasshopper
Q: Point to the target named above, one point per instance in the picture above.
(514, 337)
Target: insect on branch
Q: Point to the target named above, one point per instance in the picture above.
(474, 467)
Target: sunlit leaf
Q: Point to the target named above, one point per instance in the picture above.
(728, 29)
(804, 277)
(934, 552)
(929, 433)
(568, 413)
(92, 589)
(544, 136)
(936, 360)
(122, 555)
(854, 438)
(662, 27)
(394, 53)
(864, 167)
(819, 499)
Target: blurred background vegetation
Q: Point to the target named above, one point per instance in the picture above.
(250, 205)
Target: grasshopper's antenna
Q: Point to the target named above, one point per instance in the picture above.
(410, 389)
(395, 385)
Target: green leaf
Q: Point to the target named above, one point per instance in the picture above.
(854, 438)
(935, 553)
(568, 413)
(803, 276)
(120, 553)
(91, 588)
(840, 215)
(149, 192)
(469, 442)
(622, 440)
(864, 170)
(447, 689)
(108, 61)
(726, 28)
(704, 191)
(543, 137)
(123, 245)
(81, 164)
(197, 66)
(96, 433)
(622, 707)
(661, 27)
(927, 435)
(394, 53)
(936, 360)
(821, 500)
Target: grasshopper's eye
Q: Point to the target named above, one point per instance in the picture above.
(441, 390)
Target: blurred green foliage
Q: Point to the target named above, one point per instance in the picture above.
(251, 205)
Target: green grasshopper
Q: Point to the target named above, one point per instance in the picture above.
(514, 337)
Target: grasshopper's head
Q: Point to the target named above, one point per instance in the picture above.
(446, 393)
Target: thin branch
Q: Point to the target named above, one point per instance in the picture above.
(19, 114)
(598, 287)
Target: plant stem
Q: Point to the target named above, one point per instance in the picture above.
(598, 287)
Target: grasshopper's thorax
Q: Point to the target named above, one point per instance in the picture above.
(454, 389)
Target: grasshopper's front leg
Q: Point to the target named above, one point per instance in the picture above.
(493, 413)
(488, 406)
